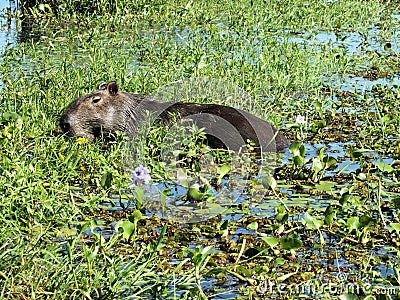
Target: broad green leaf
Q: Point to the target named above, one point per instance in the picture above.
(384, 167)
(311, 222)
(223, 170)
(106, 180)
(325, 186)
(330, 214)
(135, 216)
(329, 161)
(290, 242)
(127, 228)
(366, 220)
(317, 164)
(253, 226)
(353, 223)
(194, 194)
(395, 226)
(298, 160)
(269, 181)
(271, 241)
(297, 149)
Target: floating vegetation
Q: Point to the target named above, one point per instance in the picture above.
(318, 221)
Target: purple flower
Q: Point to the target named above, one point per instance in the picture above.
(140, 175)
(300, 120)
(61, 8)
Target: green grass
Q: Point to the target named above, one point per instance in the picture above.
(57, 236)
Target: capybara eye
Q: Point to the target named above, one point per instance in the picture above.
(96, 99)
(102, 86)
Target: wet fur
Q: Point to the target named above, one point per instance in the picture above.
(108, 110)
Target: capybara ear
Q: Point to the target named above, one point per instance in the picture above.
(112, 88)
(102, 86)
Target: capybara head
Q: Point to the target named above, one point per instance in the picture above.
(97, 114)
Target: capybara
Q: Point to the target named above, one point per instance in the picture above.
(109, 110)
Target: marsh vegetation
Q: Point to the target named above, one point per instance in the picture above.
(320, 222)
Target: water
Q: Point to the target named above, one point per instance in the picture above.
(8, 25)
(352, 42)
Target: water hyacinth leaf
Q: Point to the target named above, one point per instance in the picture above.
(245, 271)
(212, 210)
(330, 214)
(366, 221)
(353, 223)
(329, 161)
(6, 116)
(271, 241)
(345, 198)
(318, 125)
(280, 214)
(253, 226)
(224, 225)
(269, 182)
(396, 202)
(325, 186)
(135, 216)
(198, 255)
(195, 194)
(106, 180)
(290, 242)
(222, 171)
(127, 228)
(384, 167)
(357, 153)
(395, 226)
(317, 165)
(311, 222)
(298, 160)
(297, 149)
(318, 106)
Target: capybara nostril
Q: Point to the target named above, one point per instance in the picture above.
(64, 124)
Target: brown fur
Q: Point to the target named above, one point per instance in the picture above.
(108, 110)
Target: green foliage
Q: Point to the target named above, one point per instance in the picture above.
(72, 227)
